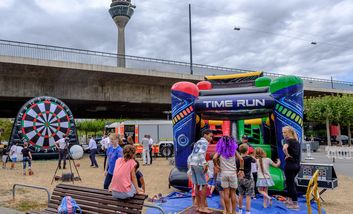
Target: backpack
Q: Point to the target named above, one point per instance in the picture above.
(68, 206)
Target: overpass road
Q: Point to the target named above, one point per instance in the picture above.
(89, 90)
(93, 87)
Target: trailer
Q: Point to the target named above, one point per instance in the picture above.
(161, 131)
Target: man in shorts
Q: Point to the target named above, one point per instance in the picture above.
(198, 166)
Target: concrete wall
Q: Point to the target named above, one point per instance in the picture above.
(29, 78)
(121, 92)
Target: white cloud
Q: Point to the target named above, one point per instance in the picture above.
(159, 29)
(71, 6)
(4, 4)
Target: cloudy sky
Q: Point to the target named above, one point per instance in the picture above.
(275, 36)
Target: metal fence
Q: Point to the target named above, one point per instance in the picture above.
(56, 53)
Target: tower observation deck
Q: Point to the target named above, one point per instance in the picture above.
(121, 12)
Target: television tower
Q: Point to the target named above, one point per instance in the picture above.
(121, 12)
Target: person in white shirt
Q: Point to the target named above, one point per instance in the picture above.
(150, 144)
(105, 142)
(61, 145)
(93, 150)
(146, 148)
(13, 155)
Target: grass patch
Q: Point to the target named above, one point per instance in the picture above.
(20, 190)
(25, 206)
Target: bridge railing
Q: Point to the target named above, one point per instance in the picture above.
(56, 53)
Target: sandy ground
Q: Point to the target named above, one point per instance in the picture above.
(156, 177)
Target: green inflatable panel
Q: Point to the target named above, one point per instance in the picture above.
(278, 178)
(263, 82)
(284, 82)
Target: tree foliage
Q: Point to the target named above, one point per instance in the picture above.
(5, 129)
(91, 126)
(337, 109)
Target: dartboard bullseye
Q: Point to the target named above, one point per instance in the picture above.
(42, 121)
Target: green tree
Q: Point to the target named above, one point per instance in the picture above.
(5, 129)
(344, 105)
(90, 126)
(319, 109)
(337, 109)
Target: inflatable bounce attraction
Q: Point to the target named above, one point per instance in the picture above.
(235, 105)
(41, 122)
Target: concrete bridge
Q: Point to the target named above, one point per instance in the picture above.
(89, 90)
(90, 84)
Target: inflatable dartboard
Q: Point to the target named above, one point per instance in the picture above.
(42, 121)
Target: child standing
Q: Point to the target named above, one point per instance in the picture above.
(198, 165)
(113, 152)
(5, 156)
(226, 151)
(264, 179)
(211, 182)
(218, 181)
(139, 177)
(124, 183)
(246, 184)
(27, 157)
(253, 172)
(13, 155)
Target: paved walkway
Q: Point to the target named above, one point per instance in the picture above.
(342, 166)
(9, 211)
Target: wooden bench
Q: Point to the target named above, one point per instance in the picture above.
(93, 200)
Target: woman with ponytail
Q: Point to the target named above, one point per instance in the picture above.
(226, 151)
(264, 179)
(124, 183)
(291, 149)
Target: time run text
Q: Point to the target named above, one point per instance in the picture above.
(238, 103)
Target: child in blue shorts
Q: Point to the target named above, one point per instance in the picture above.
(198, 166)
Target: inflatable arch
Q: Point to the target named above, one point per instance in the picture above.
(240, 101)
(41, 122)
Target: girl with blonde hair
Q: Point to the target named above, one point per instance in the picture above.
(264, 179)
(291, 149)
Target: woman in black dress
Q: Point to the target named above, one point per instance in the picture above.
(291, 149)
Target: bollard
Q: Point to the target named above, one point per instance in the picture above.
(308, 152)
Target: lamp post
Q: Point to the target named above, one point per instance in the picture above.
(190, 40)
